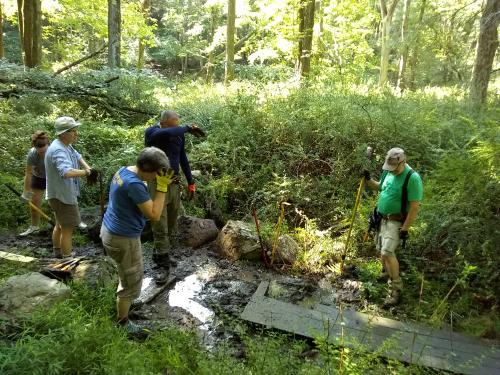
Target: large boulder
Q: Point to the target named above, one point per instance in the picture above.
(287, 249)
(21, 295)
(194, 232)
(96, 272)
(237, 240)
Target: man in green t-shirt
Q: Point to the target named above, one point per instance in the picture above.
(396, 218)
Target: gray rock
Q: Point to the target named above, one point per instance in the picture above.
(287, 249)
(97, 272)
(194, 232)
(21, 295)
(237, 240)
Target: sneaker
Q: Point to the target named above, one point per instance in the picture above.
(82, 226)
(393, 298)
(32, 229)
(136, 331)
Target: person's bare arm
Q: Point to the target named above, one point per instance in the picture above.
(27, 177)
(372, 184)
(152, 209)
(84, 165)
(412, 214)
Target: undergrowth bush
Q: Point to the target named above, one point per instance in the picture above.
(273, 142)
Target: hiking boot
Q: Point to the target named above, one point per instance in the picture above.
(162, 268)
(393, 298)
(161, 276)
(32, 229)
(383, 276)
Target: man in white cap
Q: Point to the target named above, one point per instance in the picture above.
(64, 167)
(401, 192)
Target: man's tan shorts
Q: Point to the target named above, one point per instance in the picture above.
(127, 253)
(67, 215)
(387, 238)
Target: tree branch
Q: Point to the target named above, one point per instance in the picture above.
(79, 61)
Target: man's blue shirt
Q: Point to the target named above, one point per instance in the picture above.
(122, 216)
(171, 141)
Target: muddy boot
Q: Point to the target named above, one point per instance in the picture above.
(383, 276)
(162, 262)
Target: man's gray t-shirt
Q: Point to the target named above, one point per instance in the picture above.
(37, 162)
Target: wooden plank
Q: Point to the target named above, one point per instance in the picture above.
(299, 320)
(407, 342)
(16, 258)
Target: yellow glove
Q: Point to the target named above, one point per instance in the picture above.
(163, 179)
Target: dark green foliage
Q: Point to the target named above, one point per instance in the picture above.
(306, 145)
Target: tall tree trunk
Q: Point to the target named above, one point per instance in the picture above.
(386, 13)
(306, 26)
(146, 5)
(114, 33)
(231, 21)
(210, 61)
(412, 64)
(20, 23)
(36, 43)
(1, 31)
(487, 45)
(30, 31)
(401, 84)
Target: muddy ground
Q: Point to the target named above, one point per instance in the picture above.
(209, 292)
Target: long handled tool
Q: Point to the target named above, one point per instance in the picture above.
(12, 189)
(262, 247)
(353, 217)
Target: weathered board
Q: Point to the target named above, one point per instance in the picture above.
(16, 258)
(407, 342)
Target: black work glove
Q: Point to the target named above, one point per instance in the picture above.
(366, 174)
(403, 235)
(93, 177)
(196, 131)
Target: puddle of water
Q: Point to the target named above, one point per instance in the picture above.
(183, 296)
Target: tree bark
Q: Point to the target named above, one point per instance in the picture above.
(412, 64)
(401, 84)
(114, 33)
(36, 43)
(30, 31)
(387, 12)
(1, 32)
(306, 26)
(231, 22)
(20, 23)
(146, 5)
(487, 45)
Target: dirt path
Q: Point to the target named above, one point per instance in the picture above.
(209, 292)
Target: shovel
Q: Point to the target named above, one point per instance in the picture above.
(43, 214)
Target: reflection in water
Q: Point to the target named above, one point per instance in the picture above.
(146, 282)
(183, 296)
